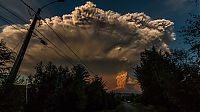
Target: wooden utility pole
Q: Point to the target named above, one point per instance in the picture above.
(20, 56)
(22, 51)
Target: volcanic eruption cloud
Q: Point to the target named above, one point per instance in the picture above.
(108, 42)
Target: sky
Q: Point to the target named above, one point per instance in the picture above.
(108, 35)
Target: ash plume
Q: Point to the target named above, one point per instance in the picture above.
(106, 41)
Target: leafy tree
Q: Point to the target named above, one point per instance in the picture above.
(168, 81)
(96, 94)
(46, 86)
(155, 73)
(186, 80)
(191, 33)
(75, 91)
(150, 73)
(6, 58)
(60, 89)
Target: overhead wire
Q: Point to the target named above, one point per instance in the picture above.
(35, 35)
(35, 29)
(80, 60)
(54, 45)
(28, 6)
(41, 18)
(11, 23)
(11, 12)
(59, 38)
(67, 46)
(6, 21)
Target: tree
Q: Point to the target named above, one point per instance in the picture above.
(152, 72)
(96, 94)
(169, 81)
(191, 33)
(7, 57)
(76, 90)
(190, 86)
(57, 89)
(186, 89)
(44, 87)
(60, 89)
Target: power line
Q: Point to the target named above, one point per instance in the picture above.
(11, 12)
(28, 6)
(54, 46)
(59, 37)
(3, 19)
(58, 53)
(11, 24)
(23, 20)
(62, 40)
(23, 49)
(58, 49)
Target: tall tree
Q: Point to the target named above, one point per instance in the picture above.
(60, 89)
(96, 94)
(151, 72)
(7, 57)
(169, 81)
(191, 33)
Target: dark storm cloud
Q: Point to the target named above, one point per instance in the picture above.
(105, 40)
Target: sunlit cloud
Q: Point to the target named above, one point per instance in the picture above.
(106, 41)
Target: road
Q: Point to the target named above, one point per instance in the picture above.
(126, 107)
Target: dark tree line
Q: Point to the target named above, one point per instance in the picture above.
(53, 89)
(169, 83)
(191, 34)
(60, 89)
(7, 57)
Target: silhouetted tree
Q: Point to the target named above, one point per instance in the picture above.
(152, 74)
(185, 91)
(96, 94)
(7, 57)
(42, 86)
(75, 90)
(191, 33)
(169, 81)
(191, 69)
(59, 89)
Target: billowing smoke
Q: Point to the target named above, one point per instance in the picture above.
(106, 41)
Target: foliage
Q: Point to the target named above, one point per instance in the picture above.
(60, 89)
(6, 58)
(168, 82)
(186, 90)
(191, 33)
(152, 65)
(96, 94)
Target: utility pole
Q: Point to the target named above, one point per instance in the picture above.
(22, 51)
(20, 56)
